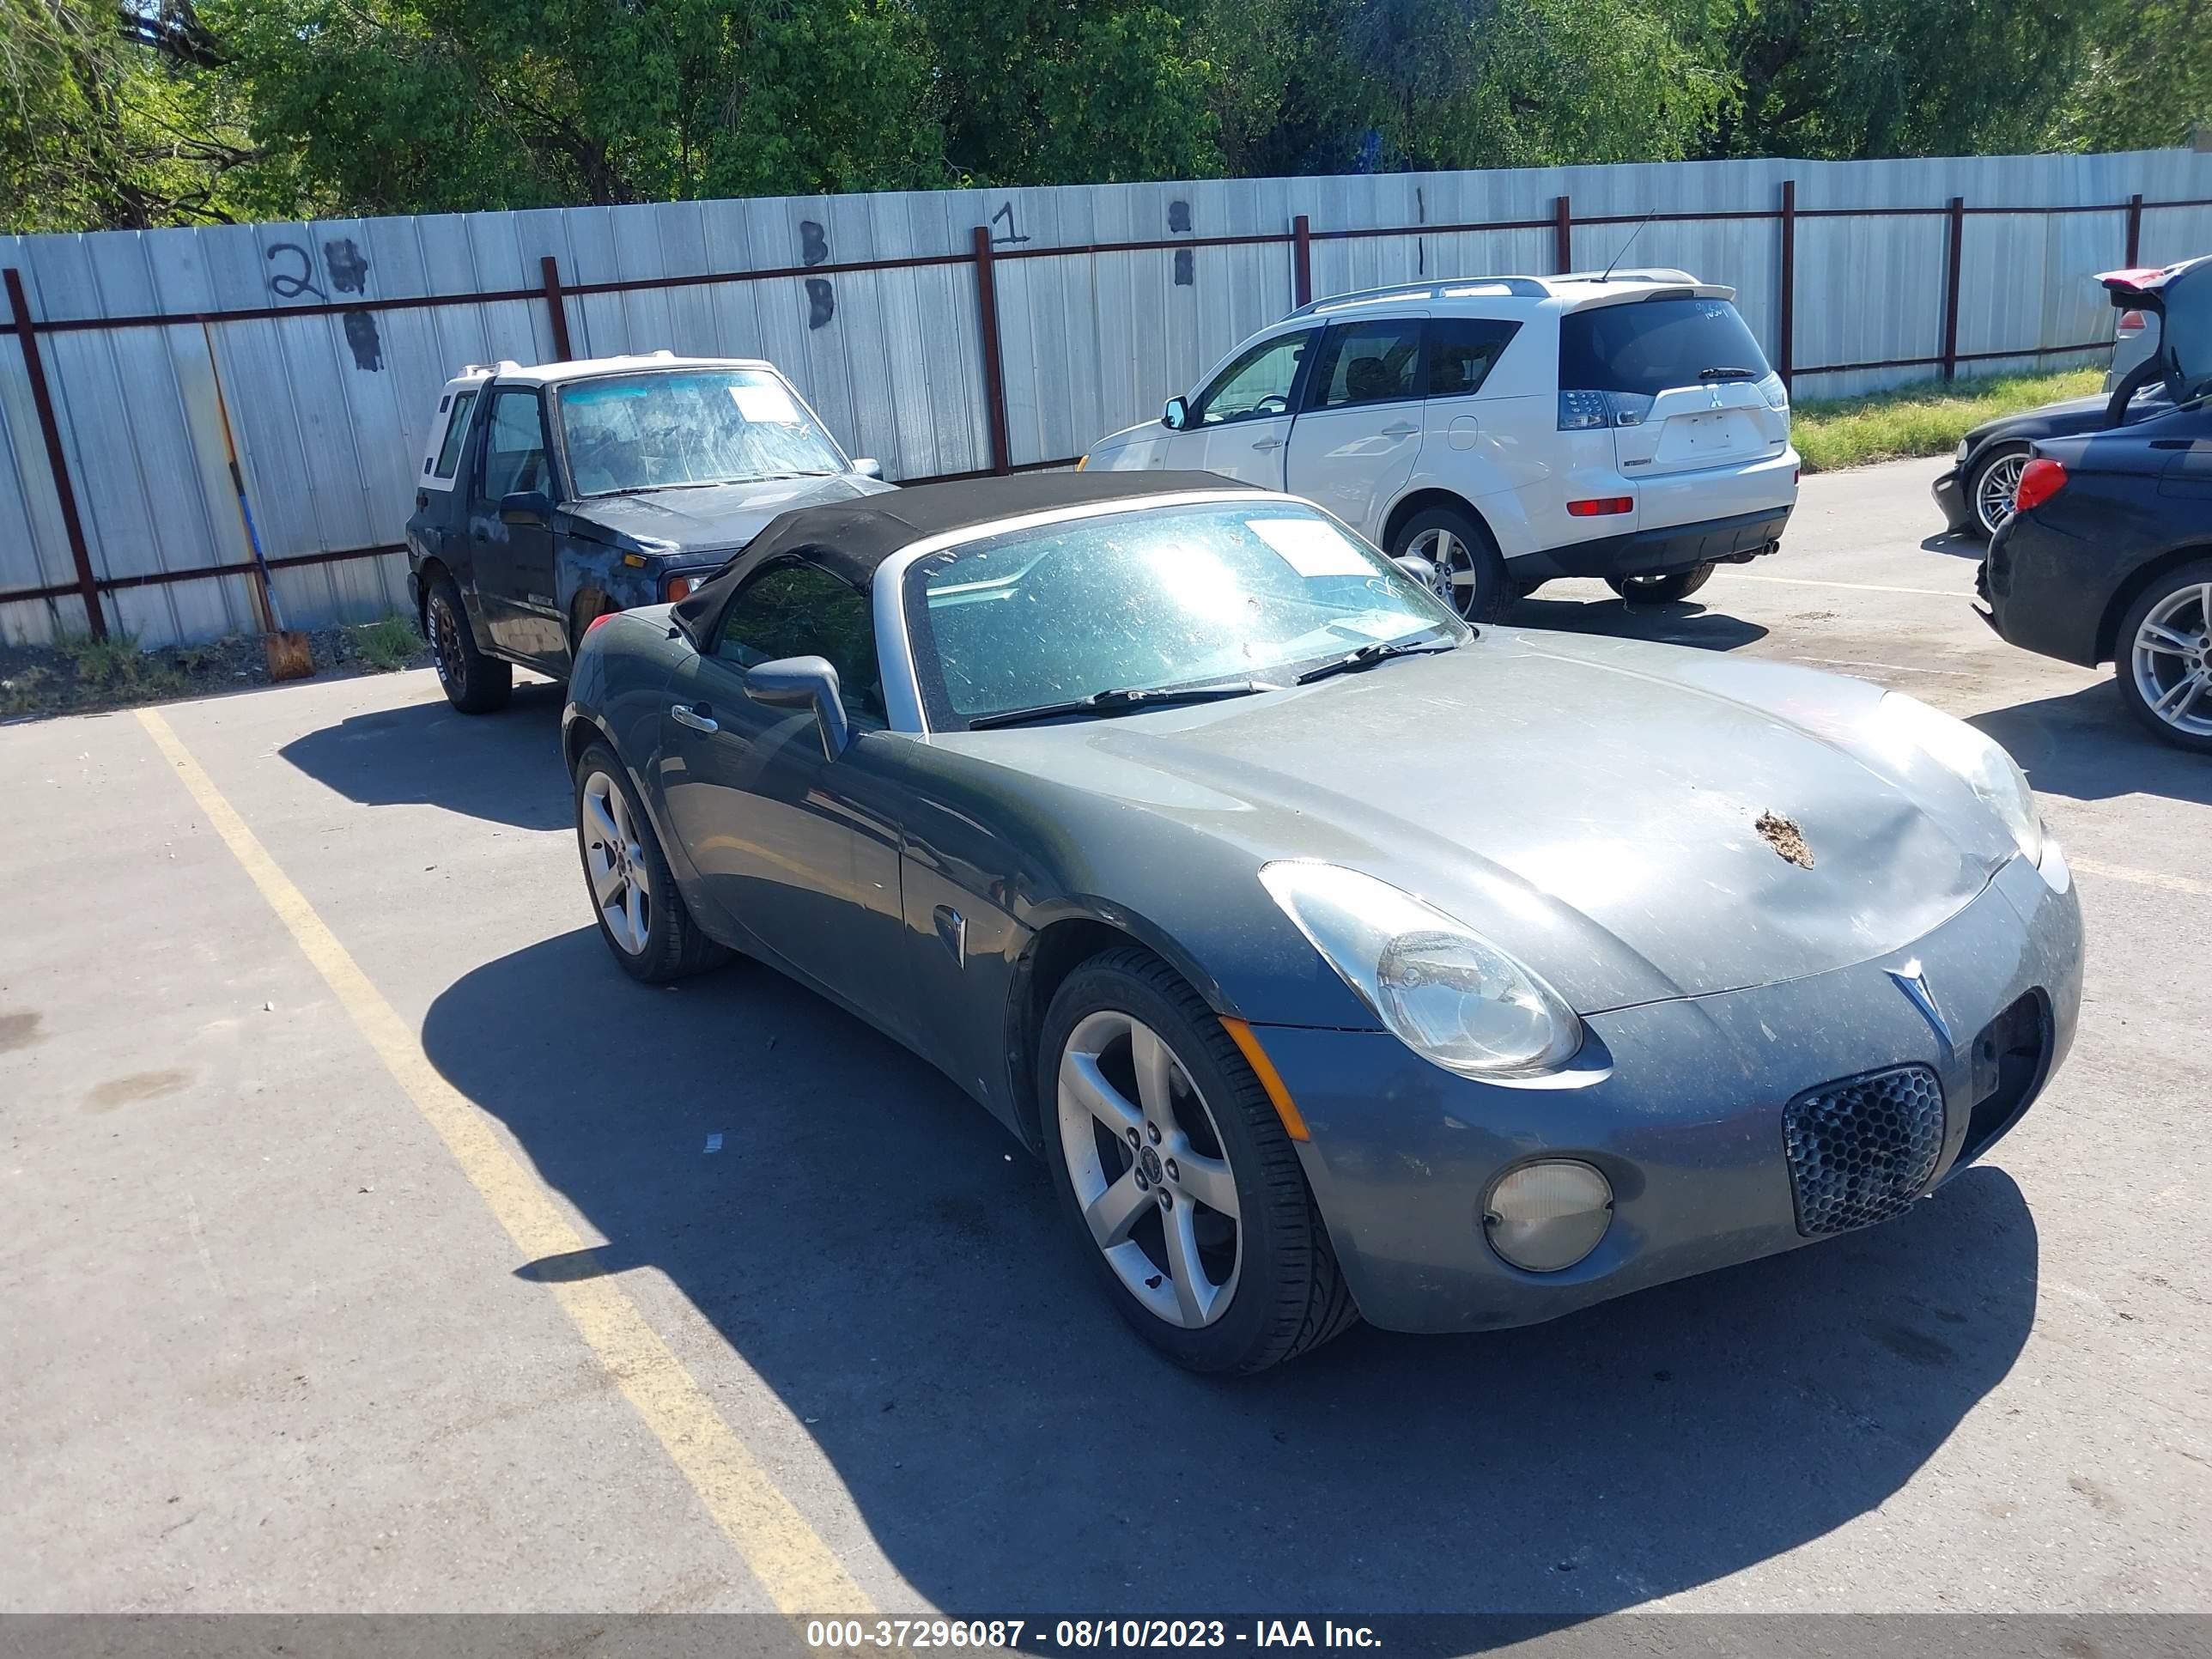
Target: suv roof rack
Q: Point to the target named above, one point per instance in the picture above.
(1521, 287)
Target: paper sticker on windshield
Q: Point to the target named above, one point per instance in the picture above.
(1312, 547)
(769, 403)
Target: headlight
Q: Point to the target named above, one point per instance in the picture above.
(1979, 760)
(1444, 990)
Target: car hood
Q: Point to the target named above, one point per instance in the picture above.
(715, 518)
(1591, 805)
(2051, 421)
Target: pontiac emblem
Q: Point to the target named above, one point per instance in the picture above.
(1914, 983)
(1784, 836)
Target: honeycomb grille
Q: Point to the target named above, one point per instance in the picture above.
(1861, 1151)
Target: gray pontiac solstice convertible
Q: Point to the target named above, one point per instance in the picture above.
(1339, 959)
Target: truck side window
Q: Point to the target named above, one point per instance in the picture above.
(514, 448)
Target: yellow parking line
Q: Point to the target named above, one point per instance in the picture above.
(2189, 885)
(791, 1560)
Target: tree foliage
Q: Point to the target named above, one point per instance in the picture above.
(132, 112)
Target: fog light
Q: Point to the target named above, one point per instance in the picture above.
(1546, 1217)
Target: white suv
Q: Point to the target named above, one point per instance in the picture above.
(1510, 429)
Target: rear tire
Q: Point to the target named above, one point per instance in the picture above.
(632, 891)
(475, 683)
(1463, 551)
(2162, 657)
(1671, 588)
(1239, 1293)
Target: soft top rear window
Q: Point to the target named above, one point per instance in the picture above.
(1651, 346)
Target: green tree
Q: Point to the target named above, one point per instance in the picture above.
(1846, 79)
(2148, 78)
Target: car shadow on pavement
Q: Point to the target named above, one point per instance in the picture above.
(2086, 746)
(885, 1257)
(1957, 543)
(505, 767)
(1683, 623)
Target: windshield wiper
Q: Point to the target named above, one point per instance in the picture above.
(1729, 372)
(1374, 651)
(1121, 698)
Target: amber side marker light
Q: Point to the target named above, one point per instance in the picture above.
(1270, 1078)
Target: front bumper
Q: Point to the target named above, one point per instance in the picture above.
(1656, 552)
(1950, 494)
(1686, 1120)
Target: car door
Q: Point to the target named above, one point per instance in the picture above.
(514, 563)
(795, 849)
(1240, 425)
(1358, 428)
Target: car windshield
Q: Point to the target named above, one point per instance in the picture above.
(1651, 346)
(1153, 599)
(671, 428)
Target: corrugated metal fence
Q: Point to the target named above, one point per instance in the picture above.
(947, 333)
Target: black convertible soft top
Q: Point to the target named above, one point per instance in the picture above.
(851, 538)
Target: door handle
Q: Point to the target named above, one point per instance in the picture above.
(1268, 443)
(1403, 429)
(697, 719)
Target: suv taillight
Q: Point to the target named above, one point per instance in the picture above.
(2039, 481)
(2132, 322)
(1586, 412)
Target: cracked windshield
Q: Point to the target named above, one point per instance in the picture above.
(668, 431)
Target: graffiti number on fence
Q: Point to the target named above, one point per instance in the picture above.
(289, 285)
(1006, 212)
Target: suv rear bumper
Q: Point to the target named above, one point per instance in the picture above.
(1735, 540)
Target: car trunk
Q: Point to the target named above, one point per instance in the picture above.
(1693, 399)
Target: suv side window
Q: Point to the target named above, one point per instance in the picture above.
(1460, 351)
(514, 445)
(1257, 385)
(1367, 362)
(797, 609)
(457, 428)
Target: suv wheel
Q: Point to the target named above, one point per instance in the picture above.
(1469, 571)
(1663, 589)
(475, 683)
(2164, 657)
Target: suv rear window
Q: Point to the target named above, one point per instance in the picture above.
(1650, 346)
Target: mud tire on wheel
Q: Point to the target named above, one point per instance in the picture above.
(474, 683)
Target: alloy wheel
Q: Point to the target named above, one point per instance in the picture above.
(1994, 494)
(1149, 1169)
(2171, 660)
(446, 644)
(614, 858)
(1455, 582)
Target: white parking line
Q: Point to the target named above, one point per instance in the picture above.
(1858, 588)
(2189, 885)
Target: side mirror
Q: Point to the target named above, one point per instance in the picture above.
(867, 468)
(1176, 413)
(526, 506)
(803, 682)
(1422, 571)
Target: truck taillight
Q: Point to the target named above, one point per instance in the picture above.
(2039, 481)
(2132, 322)
(675, 588)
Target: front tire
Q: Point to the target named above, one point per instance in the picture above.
(475, 683)
(1467, 559)
(1671, 588)
(2162, 656)
(1178, 1175)
(641, 915)
(1991, 486)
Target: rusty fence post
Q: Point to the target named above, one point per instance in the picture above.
(2135, 230)
(1563, 235)
(994, 373)
(1302, 259)
(1787, 327)
(1958, 217)
(556, 307)
(42, 399)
